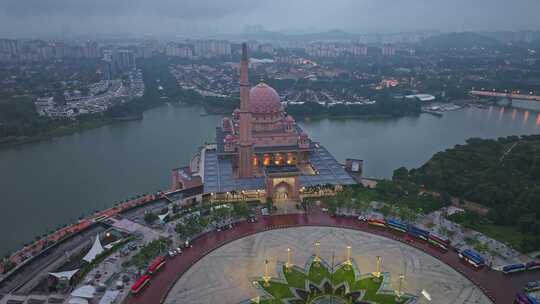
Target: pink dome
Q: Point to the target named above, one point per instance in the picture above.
(229, 138)
(264, 99)
(304, 135)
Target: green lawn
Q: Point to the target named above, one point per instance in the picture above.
(371, 287)
(316, 274)
(343, 275)
(295, 278)
(278, 290)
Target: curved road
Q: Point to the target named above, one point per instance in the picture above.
(500, 288)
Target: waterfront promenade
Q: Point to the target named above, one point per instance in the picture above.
(496, 286)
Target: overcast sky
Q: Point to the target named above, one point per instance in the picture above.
(186, 17)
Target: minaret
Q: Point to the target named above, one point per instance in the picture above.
(245, 145)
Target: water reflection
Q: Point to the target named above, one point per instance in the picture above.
(71, 166)
(501, 113)
(525, 118)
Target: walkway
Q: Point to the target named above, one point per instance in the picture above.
(498, 287)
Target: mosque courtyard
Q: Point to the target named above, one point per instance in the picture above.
(226, 275)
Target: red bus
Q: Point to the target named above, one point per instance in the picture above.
(139, 285)
(156, 265)
(377, 222)
(439, 242)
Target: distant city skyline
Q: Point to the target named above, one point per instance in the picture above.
(34, 18)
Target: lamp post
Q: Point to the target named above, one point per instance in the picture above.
(317, 253)
(289, 260)
(426, 295)
(266, 277)
(399, 291)
(377, 273)
(348, 262)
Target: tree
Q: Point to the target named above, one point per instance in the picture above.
(407, 214)
(386, 210)
(241, 209)
(446, 199)
(150, 218)
(269, 204)
(400, 173)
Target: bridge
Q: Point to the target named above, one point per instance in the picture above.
(510, 96)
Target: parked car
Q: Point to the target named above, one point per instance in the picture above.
(532, 286)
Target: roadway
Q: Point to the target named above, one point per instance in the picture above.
(505, 95)
(500, 288)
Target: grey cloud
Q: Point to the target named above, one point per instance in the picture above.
(190, 16)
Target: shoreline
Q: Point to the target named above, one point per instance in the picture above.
(25, 254)
(66, 131)
(6, 143)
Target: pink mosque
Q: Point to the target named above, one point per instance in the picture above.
(261, 152)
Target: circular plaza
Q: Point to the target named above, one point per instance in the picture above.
(226, 275)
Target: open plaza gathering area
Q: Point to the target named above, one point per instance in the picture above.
(220, 265)
(243, 248)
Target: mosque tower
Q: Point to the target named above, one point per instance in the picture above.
(245, 144)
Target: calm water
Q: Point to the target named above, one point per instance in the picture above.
(46, 184)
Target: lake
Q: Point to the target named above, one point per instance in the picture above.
(50, 183)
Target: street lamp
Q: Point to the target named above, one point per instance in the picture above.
(426, 295)
(289, 264)
(399, 292)
(377, 273)
(348, 262)
(317, 253)
(266, 277)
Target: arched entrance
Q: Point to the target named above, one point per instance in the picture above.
(282, 191)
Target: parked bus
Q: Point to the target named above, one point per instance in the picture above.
(418, 233)
(396, 225)
(472, 257)
(140, 283)
(377, 222)
(439, 241)
(522, 298)
(156, 265)
(532, 265)
(513, 268)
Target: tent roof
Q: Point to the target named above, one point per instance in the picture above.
(64, 274)
(86, 291)
(162, 216)
(77, 301)
(109, 297)
(94, 251)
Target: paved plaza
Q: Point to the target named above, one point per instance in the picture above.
(224, 276)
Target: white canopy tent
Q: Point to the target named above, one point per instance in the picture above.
(64, 274)
(162, 217)
(94, 251)
(85, 292)
(77, 301)
(109, 297)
